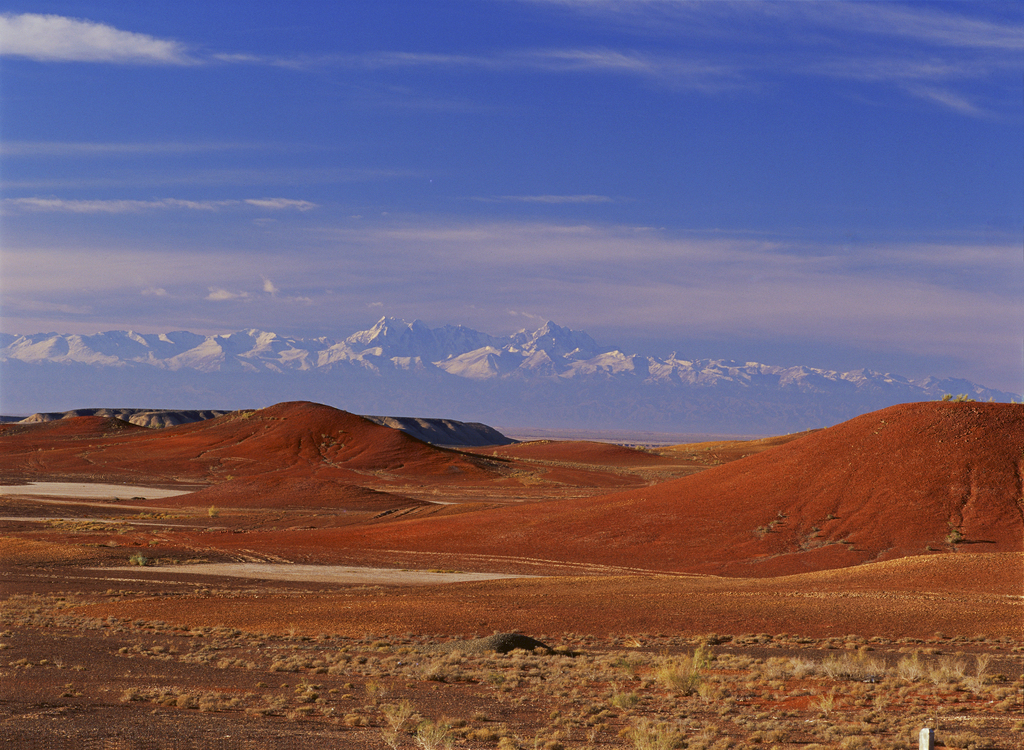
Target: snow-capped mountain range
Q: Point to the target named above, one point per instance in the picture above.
(391, 343)
(552, 372)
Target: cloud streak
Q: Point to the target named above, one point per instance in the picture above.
(217, 294)
(244, 176)
(668, 69)
(54, 148)
(278, 204)
(938, 48)
(980, 49)
(923, 23)
(551, 199)
(113, 206)
(926, 24)
(52, 38)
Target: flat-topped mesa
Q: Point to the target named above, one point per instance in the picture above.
(140, 417)
(445, 432)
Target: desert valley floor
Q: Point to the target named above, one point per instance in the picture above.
(298, 576)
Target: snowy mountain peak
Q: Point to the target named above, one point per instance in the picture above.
(557, 342)
(385, 329)
(393, 337)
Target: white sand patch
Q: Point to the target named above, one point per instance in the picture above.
(94, 519)
(323, 573)
(88, 489)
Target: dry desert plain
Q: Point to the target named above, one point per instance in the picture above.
(300, 577)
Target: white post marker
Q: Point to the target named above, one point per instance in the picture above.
(927, 739)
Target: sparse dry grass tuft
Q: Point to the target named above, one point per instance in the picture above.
(839, 692)
(433, 735)
(650, 735)
(682, 674)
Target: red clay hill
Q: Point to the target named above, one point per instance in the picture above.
(296, 452)
(908, 480)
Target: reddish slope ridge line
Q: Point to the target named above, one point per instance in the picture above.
(292, 453)
(908, 480)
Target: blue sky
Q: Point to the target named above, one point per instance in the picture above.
(838, 184)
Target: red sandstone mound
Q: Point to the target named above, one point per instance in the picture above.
(297, 440)
(908, 480)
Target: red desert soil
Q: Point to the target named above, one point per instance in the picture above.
(909, 480)
(894, 531)
(900, 598)
(577, 451)
(278, 489)
(265, 449)
(914, 479)
(299, 453)
(611, 454)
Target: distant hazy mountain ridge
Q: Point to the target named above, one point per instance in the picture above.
(548, 376)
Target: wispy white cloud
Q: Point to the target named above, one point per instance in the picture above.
(200, 176)
(904, 68)
(931, 79)
(669, 69)
(61, 205)
(949, 99)
(277, 204)
(528, 315)
(268, 287)
(155, 291)
(555, 199)
(56, 38)
(56, 148)
(984, 48)
(52, 38)
(893, 43)
(928, 23)
(241, 57)
(217, 294)
(728, 70)
(44, 306)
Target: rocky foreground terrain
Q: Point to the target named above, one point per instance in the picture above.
(290, 576)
